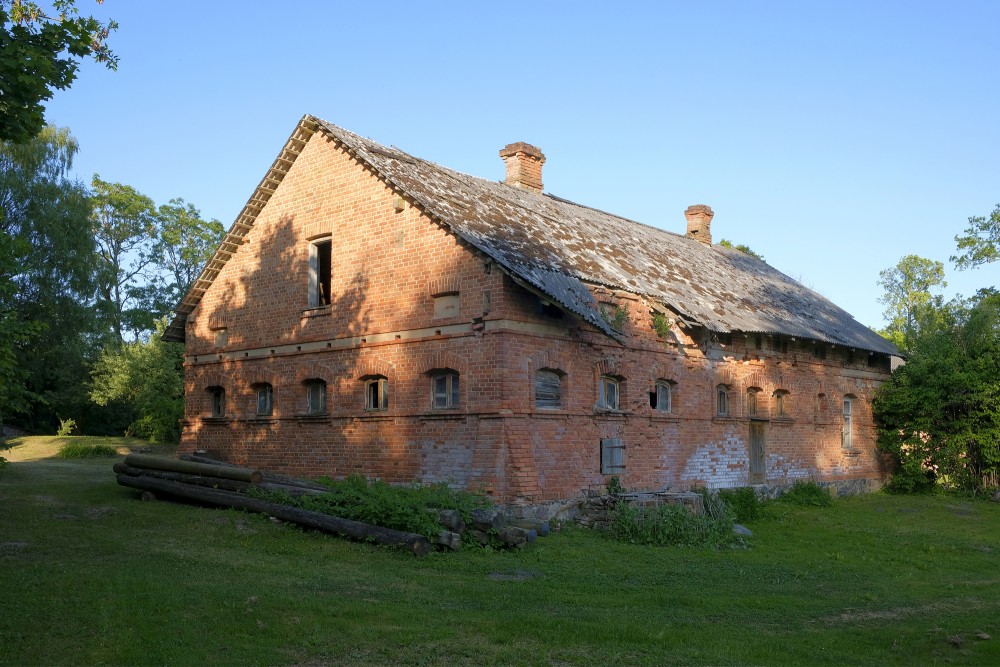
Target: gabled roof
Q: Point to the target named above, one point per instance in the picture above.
(559, 247)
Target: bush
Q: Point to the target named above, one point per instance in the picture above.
(77, 450)
(675, 525)
(66, 427)
(807, 494)
(3, 463)
(745, 503)
(411, 508)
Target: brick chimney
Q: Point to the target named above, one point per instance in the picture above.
(524, 166)
(699, 219)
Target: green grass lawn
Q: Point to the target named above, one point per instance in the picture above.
(91, 575)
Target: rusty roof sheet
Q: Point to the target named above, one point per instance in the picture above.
(559, 248)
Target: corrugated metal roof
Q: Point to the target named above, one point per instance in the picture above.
(560, 247)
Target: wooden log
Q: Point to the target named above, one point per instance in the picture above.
(488, 519)
(183, 478)
(449, 540)
(417, 544)
(271, 477)
(541, 528)
(147, 497)
(192, 468)
(452, 520)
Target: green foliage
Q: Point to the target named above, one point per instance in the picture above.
(938, 416)
(147, 376)
(3, 463)
(185, 242)
(79, 450)
(46, 281)
(40, 52)
(66, 427)
(661, 325)
(807, 494)
(744, 502)
(674, 525)
(615, 485)
(725, 243)
(980, 242)
(615, 318)
(910, 307)
(411, 508)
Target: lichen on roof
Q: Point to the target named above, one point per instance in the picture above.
(560, 248)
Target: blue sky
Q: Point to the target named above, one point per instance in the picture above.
(831, 137)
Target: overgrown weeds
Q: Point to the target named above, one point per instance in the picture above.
(675, 525)
(411, 508)
(745, 503)
(807, 494)
(78, 450)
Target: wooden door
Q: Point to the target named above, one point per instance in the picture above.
(757, 439)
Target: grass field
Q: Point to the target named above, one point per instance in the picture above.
(93, 576)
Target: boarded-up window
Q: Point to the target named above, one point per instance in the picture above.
(752, 402)
(780, 403)
(319, 273)
(612, 456)
(548, 390)
(446, 305)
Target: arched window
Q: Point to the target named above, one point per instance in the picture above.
(548, 389)
(722, 400)
(218, 401)
(376, 392)
(444, 388)
(265, 399)
(846, 437)
(661, 398)
(610, 392)
(315, 397)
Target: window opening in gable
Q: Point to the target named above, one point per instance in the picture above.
(444, 389)
(377, 393)
(319, 273)
(661, 398)
(447, 305)
(548, 389)
(610, 393)
(315, 397)
(265, 400)
(612, 456)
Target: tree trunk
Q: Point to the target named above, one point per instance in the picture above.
(183, 478)
(417, 544)
(487, 519)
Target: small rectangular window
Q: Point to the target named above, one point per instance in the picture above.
(609, 397)
(265, 400)
(612, 456)
(377, 394)
(660, 399)
(752, 403)
(444, 390)
(319, 273)
(722, 400)
(316, 397)
(218, 402)
(847, 440)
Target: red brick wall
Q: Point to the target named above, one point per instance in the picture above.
(389, 263)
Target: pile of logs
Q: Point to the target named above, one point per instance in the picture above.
(222, 485)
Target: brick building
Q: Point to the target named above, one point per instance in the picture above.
(370, 312)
